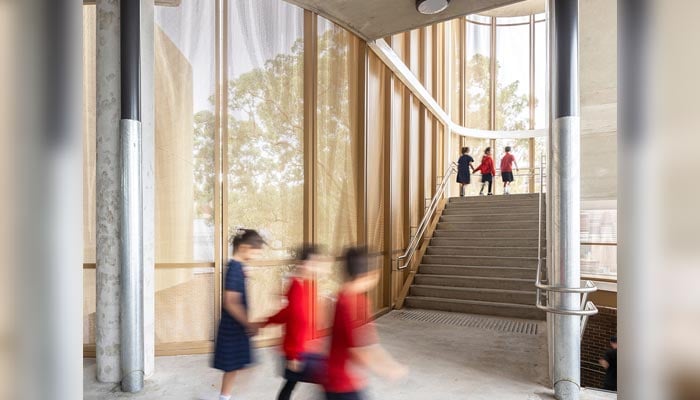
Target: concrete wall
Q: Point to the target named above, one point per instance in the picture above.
(598, 69)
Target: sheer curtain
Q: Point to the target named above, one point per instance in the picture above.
(265, 134)
(184, 111)
(337, 152)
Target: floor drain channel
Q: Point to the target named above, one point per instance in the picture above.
(472, 321)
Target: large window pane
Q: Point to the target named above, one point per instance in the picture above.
(478, 76)
(265, 140)
(337, 151)
(185, 171)
(89, 134)
(512, 77)
(184, 85)
(540, 75)
(266, 122)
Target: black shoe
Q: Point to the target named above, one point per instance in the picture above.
(490, 194)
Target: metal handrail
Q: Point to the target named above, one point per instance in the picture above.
(430, 211)
(587, 308)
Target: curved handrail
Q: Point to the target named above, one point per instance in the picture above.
(423, 226)
(586, 308)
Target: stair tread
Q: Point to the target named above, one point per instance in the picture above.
(487, 278)
(469, 257)
(477, 266)
(483, 247)
(466, 289)
(475, 302)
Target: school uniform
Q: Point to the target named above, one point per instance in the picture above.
(507, 167)
(351, 329)
(232, 351)
(296, 317)
(463, 175)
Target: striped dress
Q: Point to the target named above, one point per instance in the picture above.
(232, 351)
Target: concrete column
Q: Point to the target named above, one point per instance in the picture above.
(563, 263)
(108, 187)
(108, 191)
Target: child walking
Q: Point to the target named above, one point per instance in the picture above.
(507, 170)
(300, 366)
(354, 340)
(233, 351)
(488, 171)
(464, 164)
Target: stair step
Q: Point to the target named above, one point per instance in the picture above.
(476, 307)
(456, 215)
(506, 209)
(478, 271)
(475, 282)
(470, 250)
(491, 295)
(482, 242)
(459, 225)
(502, 197)
(491, 261)
(501, 235)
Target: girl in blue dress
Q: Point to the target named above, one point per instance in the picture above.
(464, 169)
(233, 351)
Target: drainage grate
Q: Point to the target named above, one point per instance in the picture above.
(472, 321)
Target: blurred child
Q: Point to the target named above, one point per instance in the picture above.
(488, 171)
(233, 351)
(610, 365)
(300, 366)
(464, 165)
(507, 170)
(354, 340)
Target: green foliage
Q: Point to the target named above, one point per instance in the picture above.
(265, 172)
(510, 106)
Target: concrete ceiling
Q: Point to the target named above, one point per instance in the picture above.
(526, 7)
(374, 19)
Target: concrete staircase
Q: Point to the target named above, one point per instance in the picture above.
(482, 258)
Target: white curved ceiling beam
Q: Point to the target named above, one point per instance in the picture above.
(382, 49)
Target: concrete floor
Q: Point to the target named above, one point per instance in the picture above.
(445, 361)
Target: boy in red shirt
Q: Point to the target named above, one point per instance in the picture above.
(507, 170)
(354, 340)
(488, 171)
(296, 316)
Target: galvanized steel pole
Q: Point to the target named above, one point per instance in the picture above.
(132, 273)
(564, 183)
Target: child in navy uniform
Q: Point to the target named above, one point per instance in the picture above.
(463, 170)
(233, 351)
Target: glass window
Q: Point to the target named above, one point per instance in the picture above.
(184, 124)
(478, 76)
(266, 140)
(540, 75)
(337, 152)
(512, 77)
(266, 123)
(184, 171)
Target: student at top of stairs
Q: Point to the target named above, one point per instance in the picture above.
(464, 164)
(507, 170)
(488, 171)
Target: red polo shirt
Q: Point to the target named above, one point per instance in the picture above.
(486, 166)
(351, 329)
(507, 163)
(295, 316)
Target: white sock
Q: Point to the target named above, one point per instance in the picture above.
(222, 397)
